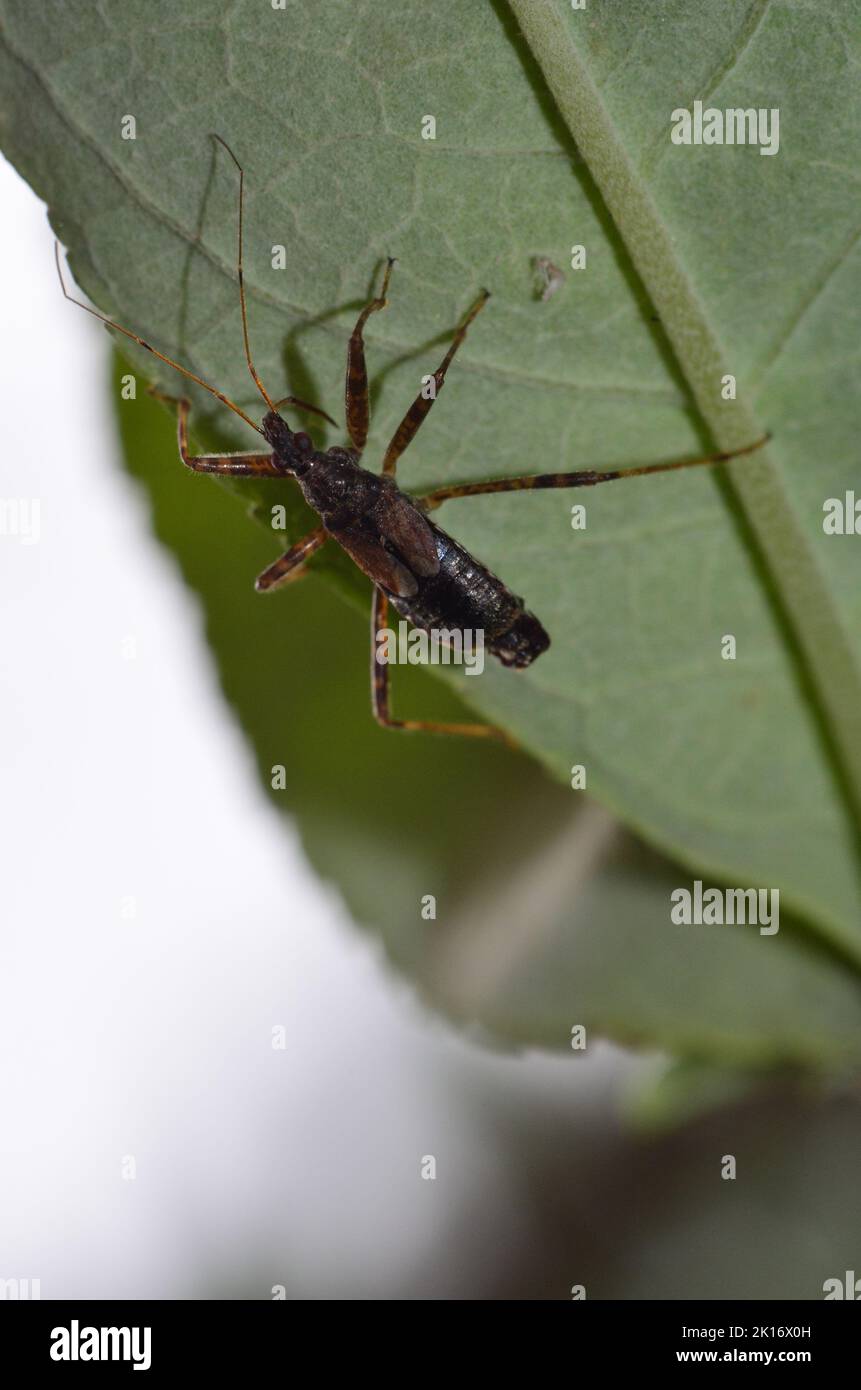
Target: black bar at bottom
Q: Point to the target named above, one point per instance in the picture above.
(217, 1338)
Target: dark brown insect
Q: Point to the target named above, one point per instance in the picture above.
(413, 563)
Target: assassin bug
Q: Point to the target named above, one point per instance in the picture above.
(413, 564)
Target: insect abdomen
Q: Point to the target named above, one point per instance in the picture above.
(465, 595)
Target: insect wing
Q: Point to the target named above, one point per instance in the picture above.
(377, 563)
(401, 522)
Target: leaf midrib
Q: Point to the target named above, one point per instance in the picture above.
(823, 645)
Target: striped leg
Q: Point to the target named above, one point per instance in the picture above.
(586, 478)
(291, 565)
(407, 429)
(235, 465)
(356, 388)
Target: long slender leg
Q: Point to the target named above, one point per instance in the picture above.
(356, 387)
(236, 465)
(582, 479)
(290, 565)
(380, 691)
(406, 430)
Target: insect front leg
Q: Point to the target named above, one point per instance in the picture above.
(291, 565)
(380, 691)
(235, 465)
(356, 389)
(408, 428)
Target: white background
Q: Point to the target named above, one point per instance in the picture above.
(149, 1035)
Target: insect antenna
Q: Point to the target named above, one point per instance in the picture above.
(219, 395)
(251, 367)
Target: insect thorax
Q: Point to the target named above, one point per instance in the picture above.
(339, 488)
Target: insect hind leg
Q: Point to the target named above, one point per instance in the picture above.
(380, 692)
(582, 478)
(356, 386)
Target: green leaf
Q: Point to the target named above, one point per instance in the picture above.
(679, 1092)
(746, 770)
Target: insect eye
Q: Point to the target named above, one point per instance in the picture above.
(303, 442)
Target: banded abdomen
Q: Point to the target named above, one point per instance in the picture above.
(464, 594)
